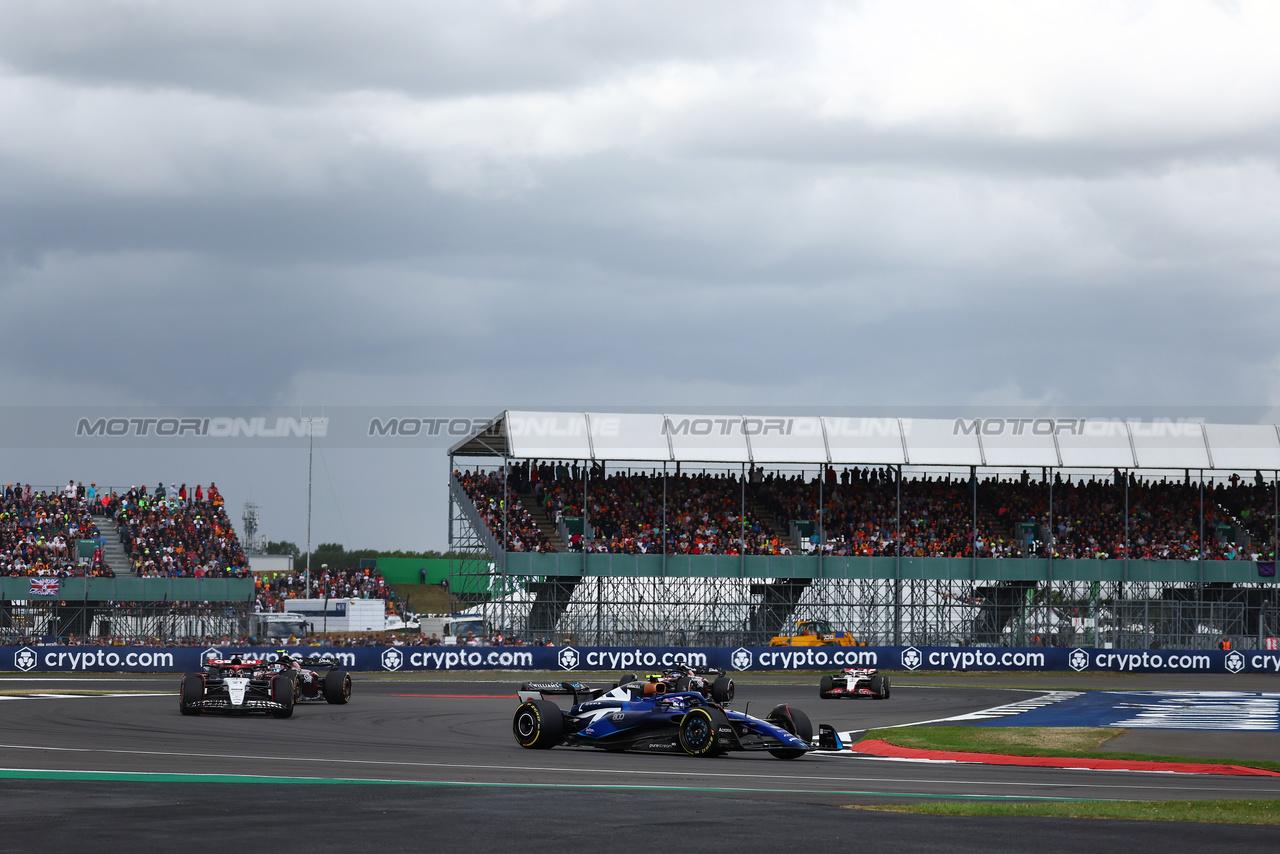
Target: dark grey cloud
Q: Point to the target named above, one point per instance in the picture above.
(295, 49)
(584, 204)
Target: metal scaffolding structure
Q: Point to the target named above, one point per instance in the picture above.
(719, 612)
(27, 621)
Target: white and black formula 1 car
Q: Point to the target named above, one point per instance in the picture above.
(855, 682)
(712, 684)
(243, 685)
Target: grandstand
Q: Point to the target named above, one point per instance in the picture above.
(652, 529)
(147, 565)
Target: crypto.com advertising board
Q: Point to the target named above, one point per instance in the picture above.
(577, 659)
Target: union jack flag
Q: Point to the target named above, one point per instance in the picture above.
(44, 587)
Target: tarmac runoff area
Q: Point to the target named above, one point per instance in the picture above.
(413, 757)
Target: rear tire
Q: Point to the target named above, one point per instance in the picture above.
(722, 690)
(626, 677)
(191, 693)
(337, 687)
(282, 689)
(538, 724)
(879, 688)
(825, 686)
(682, 684)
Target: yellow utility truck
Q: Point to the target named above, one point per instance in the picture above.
(812, 633)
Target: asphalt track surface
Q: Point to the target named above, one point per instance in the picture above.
(411, 763)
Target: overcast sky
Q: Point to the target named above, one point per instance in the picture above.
(615, 205)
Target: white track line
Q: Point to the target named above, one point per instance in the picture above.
(1005, 710)
(805, 778)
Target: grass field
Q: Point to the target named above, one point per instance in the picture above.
(1224, 812)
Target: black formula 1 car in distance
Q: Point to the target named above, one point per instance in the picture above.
(317, 678)
(855, 682)
(712, 684)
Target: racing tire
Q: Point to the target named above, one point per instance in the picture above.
(626, 677)
(888, 688)
(825, 686)
(879, 687)
(795, 722)
(191, 693)
(682, 684)
(337, 687)
(282, 689)
(538, 724)
(698, 732)
(722, 690)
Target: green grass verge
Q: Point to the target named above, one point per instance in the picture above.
(1068, 742)
(1222, 812)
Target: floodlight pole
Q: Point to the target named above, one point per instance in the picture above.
(1115, 607)
(1049, 537)
(822, 476)
(897, 561)
(324, 568)
(311, 442)
(742, 524)
(1200, 556)
(973, 537)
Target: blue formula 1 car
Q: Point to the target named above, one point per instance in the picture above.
(625, 718)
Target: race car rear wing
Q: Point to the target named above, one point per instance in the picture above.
(579, 690)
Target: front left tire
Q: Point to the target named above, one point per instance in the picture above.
(282, 689)
(795, 722)
(191, 693)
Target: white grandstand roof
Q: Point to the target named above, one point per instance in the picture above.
(776, 439)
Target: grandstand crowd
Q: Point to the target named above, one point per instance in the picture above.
(176, 533)
(330, 583)
(171, 532)
(39, 530)
(865, 511)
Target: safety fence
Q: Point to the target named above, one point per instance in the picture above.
(572, 660)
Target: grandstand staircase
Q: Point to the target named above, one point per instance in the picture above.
(757, 510)
(113, 553)
(540, 518)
